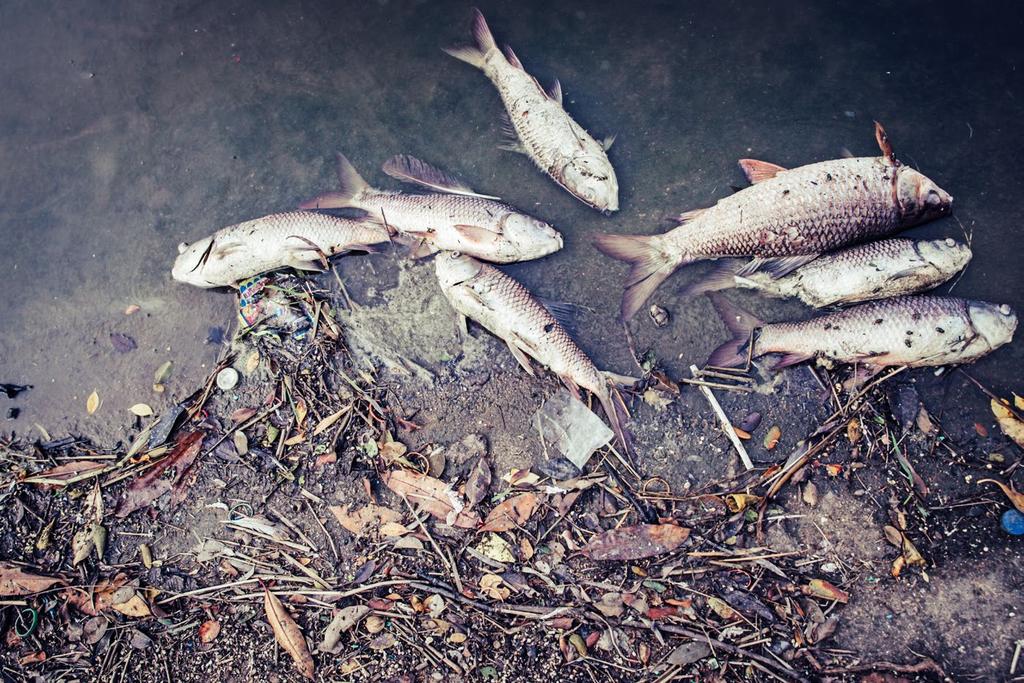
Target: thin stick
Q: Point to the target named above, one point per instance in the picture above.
(726, 425)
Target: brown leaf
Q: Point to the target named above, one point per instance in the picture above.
(288, 634)
(326, 423)
(209, 630)
(635, 542)
(1016, 497)
(771, 439)
(820, 588)
(150, 485)
(59, 475)
(722, 608)
(511, 513)
(433, 495)
(479, 482)
(367, 517)
(345, 619)
(15, 581)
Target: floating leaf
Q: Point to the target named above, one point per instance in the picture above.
(366, 517)
(1016, 497)
(132, 309)
(209, 630)
(122, 343)
(1008, 422)
(820, 588)
(141, 409)
(771, 439)
(636, 542)
(511, 513)
(344, 620)
(288, 634)
(163, 373)
(433, 495)
(479, 482)
(92, 403)
(15, 581)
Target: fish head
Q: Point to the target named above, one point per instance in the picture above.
(995, 323)
(591, 179)
(946, 255)
(190, 265)
(529, 236)
(919, 197)
(454, 268)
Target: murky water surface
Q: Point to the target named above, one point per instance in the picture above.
(128, 127)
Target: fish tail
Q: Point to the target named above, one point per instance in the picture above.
(475, 54)
(741, 324)
(722, 277)
(650, 266)
(618, 415)
(350, 186)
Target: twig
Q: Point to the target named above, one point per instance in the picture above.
(726, 425)
(926, 664)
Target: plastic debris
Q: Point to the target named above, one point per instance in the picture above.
(569, 427)
(259, 301)
(1013, 523)
(227, 379)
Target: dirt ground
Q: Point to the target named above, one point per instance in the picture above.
(750, 581)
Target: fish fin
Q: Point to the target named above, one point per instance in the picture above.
(608, 141)
(790, 359)
(690, 215)
(776, 266)
(511, 143)
(741, 324)
(845, 153)
(475, 54)
(463, 326)
(555, 91)
(409, 169)
(862, 373)
(513, 146)
(224, 249)
(758, 171)
(722, 277)
(650, 266)
(620, 380)
(350, 186)
(521, 357)
(563, 312)
(573, 388)
(310, 264)
(474, 234)
(510, 55)
(884, 145)
(375, 248)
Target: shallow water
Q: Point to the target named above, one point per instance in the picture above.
(126, 128)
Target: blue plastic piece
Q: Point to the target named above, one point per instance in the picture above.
(1013, 523)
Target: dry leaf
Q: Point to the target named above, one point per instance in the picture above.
(771, 439)
(1016, 497)
(737, 502)
(141, 409)
(344, 620)
(496, 548)
(326, 423)
(722, 609)
(300, 412)
(14, 581)
(492, 586)
(511, 513)
(367, 517)
(209, 630)
(150, 486)
(478, 483)
(288, 634)
(636, 542)
(92, 403)
(132, 309)
(433, 495)
(820, 588)
(59, 475)
(853, 430)
(1008, 422)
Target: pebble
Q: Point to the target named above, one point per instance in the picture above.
(227, 379)
(658, 315)
(1013, 523)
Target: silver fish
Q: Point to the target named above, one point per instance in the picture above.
(299, 239)
(508, 310)
(540, 127)
(785, 219)
(908, 330)
(453, 217)
(876, 270)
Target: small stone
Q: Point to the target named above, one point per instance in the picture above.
(659, 315)
(227, 379)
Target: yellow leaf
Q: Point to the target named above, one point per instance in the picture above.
(329, 420)
(92, 403)
(1016, 497)
(288, 634)
(134, 606)
(722, 609)
(300, 411)
(737, 502)
(1008, 422)
(141, 409)
(820, 588)
(771, 439)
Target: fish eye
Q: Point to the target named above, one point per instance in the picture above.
(1005, 309)
(933, 197)
(456, 254)
(950, 242)
(182, 246)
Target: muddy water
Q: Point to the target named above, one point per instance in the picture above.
(126, 128)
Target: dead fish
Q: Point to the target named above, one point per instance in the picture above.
(539, 127)
(299, 239)
(909, 330)
(508, 310)
(876, 270)
(452, 217)
(785, 219)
